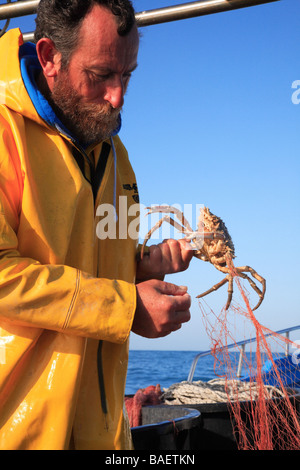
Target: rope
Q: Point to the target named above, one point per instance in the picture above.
(215, 391)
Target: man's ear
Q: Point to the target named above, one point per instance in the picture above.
(49, 57)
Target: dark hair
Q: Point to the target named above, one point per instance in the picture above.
(60, 21)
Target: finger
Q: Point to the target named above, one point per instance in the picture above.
(185, 244)
(176, 327)
(152, 258)
(181, 304)
(187, 251)
(179, 253)
(172, 250)
(182, 316)
(168, 288)
(155, 254)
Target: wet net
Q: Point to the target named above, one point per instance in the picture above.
(264, 401)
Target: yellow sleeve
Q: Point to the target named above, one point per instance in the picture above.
(61, 298)
(54, 297)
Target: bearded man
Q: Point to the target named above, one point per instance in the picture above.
(68, 298)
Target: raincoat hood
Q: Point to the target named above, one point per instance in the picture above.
(12, 90)
(26, 66)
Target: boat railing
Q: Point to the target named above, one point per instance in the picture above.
(243, 345)
(144, 18)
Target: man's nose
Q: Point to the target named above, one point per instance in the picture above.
(114, 94)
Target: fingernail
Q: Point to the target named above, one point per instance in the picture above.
(183, 288)
(187, 245)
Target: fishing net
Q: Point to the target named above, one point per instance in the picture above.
(263, 402)
(148, 396)
(258, 386)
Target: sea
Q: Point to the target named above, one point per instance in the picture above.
(165, 368)
(169, 367)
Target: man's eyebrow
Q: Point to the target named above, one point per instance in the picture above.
(103, 69)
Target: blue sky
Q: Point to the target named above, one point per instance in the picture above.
(209, 120)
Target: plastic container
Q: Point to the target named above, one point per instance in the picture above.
(177, 427)
(217, 431)
(168, 428)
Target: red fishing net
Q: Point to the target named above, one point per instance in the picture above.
(258, 385)
(264, 401)
(269, 418)
(143, 397)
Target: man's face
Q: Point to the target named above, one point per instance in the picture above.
(90, 91)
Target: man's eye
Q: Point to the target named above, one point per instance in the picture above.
(99, 78)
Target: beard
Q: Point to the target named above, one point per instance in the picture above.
(88, 122)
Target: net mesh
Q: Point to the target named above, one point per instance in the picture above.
(260, 421)
(262, 398)
(264, 404)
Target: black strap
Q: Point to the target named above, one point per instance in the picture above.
(97, 175)
(101, 378)
(79, 157)
(96, 178)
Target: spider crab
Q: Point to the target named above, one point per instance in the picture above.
(211, 242)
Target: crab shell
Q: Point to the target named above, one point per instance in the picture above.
(214, 250)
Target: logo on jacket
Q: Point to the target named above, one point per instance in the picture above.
(134, 188)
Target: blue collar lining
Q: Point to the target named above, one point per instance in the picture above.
(30, 66)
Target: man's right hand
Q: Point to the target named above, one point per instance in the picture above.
(161, 308)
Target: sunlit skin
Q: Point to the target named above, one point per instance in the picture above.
(101, 66)
(101, 73)
(99, 70)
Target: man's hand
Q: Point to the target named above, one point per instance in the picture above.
(161, 308)
(171, 256)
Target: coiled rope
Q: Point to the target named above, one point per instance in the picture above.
(215, 391)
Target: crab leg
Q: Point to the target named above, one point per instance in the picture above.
(215, 287)
(189, 233)
(261, 293)
(228, 279)
(257, 276)
(172, 210)
(166, 218)
(230, 292)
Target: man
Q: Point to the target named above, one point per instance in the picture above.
(68, 299)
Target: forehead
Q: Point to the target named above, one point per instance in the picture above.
(100, 42)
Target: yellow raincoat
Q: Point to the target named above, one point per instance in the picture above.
(67, 298)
